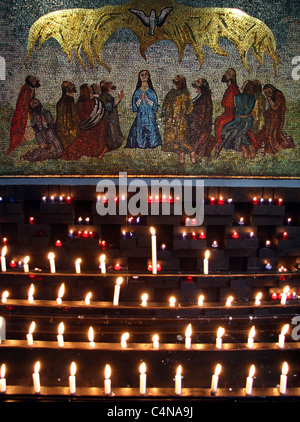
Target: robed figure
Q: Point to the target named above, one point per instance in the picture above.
(271, 138)
(144, 132)
(92, 128)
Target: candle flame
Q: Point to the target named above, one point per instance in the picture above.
(32, 327)
(31, 290)
(218, 369)
(26, 259)
(285, 368)
(51, 255)
(155, 338)
(252, 332)
(188, 331)
(285, 329)
(102, 258)
(145, 297)
(88, 298)
(258, 297)
(37, 367)
(73, 369)
(286, 290)
(78, 261)
(125, 337)
(3, 251)
(252, 371)
(179, 370)
(5, 296)
(220, 332)
(200, 300)
(91, 334)
(61, 328)
(152, 231)
(172, 301)
(61, 290)
(207, 254)
(142, 368)
(229, 301)
(2, 371)
(119, 281)
(107, 371)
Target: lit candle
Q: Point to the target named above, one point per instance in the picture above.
(91, 337)
(154, 252)
(117, 266)
(31, 293)
(280, 201)
(77, 266)
(52, 198)
(261, 201)
(283, 378)
(281, 338)
(220, 333)
(2, 379)
(143, 378)
(284, 295)
(241, 221)
(188, 333)
(178, 380)
(235, 235)
(251, 337)
(36, 378)
(284, 235)
(215, 379)
(117, 291)
(72, 379)
(102, 264)
(155, 340)
(3, 259)
(270, 201)
(61, 292)
(249, 381)
(87, 299)
(60, 337)
(229, 201)
(258, 298)
(107, 381)
(251, 235)
(124, 339)
(172, 301)
(183, 235)
(200, 300)
(205, 262)
(29, 336)
(202, 235)
(51, 257)
(144, 299)
(229, 301)
(212, 200)
(31, 220)
(289, 220)
(220, 200)
(255, 200)
(26, 266)
(163, 247)
(268, 266)
(5, 296)
(215, 244)
(268, 243)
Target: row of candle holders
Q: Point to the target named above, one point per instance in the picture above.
(143, 379)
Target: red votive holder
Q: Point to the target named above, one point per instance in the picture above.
(212, 200)
(117, 267)
(284, 235)
(58, 243)
(85, 234)
(202, 235)
(31, 220)
(12, 264)
(220, 200)
(255, 200)
(274, 296)
(235, 235)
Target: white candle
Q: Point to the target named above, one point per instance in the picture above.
(77, 266)
(283, 378)
(258, 298)
(2, 379)
(36, 378)
(220, 333)
(251, 337)
(107, 381)
(229, 301)
(102, 264)
(91, 337)
(284, 295)
(51, 257)
(155, 340)
(144, 299)
(26, 266)
(200, 300)
(117, 291)
(205, 262)
(249, 381)
(124, 339)
(178, 380)
(88, 296)
(172, 301)
(60, 337)
(31, 293)
(5, 296)
(3, 259)
(215, 379)
(154, 251)
(61, 292)
(143, 378)
(29, 336)
(281, 338)
(72, 379)
(188, 340)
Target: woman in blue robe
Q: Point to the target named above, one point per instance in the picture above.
(144, 132)
(237, 134)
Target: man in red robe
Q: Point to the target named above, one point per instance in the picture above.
(227, 102)
(20, 117)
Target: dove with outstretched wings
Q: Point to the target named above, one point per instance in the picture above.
(89, 29)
